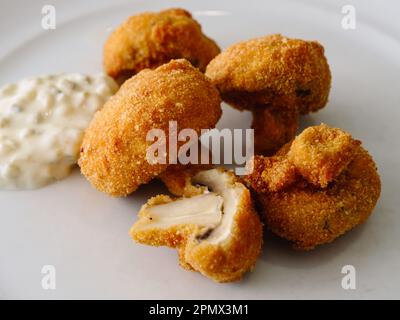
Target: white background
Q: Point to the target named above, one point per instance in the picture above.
(84, 233)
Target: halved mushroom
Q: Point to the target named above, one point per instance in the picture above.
(217, 233)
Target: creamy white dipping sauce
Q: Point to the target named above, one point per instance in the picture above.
(42, 121)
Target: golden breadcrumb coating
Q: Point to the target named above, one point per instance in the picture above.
(273, 128)
(178, 179)
(201, 248)
(271, 173)
(321, 153)
(310, 214)
(113, 151)
(272, 70)
(148, 40)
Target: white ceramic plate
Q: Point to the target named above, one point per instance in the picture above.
(84, 233)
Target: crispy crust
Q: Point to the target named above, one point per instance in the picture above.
(272, 70)
(321, 153)
(222, 262)
(273, 128)
(271, 174)
(149, 40)
(113, 151)
(178, 179)
(310, 215)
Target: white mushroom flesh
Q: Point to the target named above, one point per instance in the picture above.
(221, 183)
(213, 210)
(204, 210)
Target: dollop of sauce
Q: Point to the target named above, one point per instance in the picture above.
(42, 121)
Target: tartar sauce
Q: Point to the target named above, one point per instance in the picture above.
(42, 121)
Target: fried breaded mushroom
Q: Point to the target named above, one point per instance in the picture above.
(114, 148)
(217, 233)
(316, 188)
(149, 39)
(272, 70)
(276, 72)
